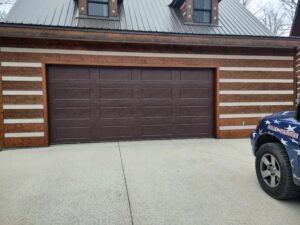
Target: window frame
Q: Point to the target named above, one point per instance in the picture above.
(99, 2)
(202, 10)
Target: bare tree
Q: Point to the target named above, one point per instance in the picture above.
(290, 7)
(274, 18)
(245, 2)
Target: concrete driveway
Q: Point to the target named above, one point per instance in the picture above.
(195, 182)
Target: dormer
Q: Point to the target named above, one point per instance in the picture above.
(203, 12)
(99, 8)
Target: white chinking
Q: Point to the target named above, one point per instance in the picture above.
(24, 134)
(23, 121)
(144, 54)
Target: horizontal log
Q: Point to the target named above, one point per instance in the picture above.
(256, 86)
(7, 30)
(255, 75)
(23, 113)
(14, 128)
(68, 58)
(254, 109)
(23, 99)
(256, 98)
(22, 85)
(235, 133)
(24, 142)
(21, 71)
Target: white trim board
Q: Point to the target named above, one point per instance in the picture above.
(23, 107)
(21, 78)
(246, 127)
(21, 64)
(255, 92)
(143, 54)
(255, 103)
(257, 69)
(23, 121)
(13, 93)
(238, 116)
(256, 81)
(24, 134)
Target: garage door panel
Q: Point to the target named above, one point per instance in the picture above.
(194, 93)
(115, 93)
(157, 120)
(69, 123)
(113, 75)
(99, 103)
(115, 112)
(194, 75)
(193, 129)
(116, 121)
(162, 130)
(113, 132)
(128, 103)
(192, 102)
(73, 134)
(194, 111)
(72, 93)
(157, 111)
(156, 93)
(73, 113)
(77, 73)
(157, 75)
(192, 120)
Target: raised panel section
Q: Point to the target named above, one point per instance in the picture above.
(156, 75)
(72, 93)
(115, 93)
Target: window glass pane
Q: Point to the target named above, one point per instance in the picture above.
(97, 9)
(202, 4)
(202, 17)
(99, 0)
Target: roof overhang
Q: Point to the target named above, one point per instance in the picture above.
(57, 33)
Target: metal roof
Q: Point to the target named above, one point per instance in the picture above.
(137, 16)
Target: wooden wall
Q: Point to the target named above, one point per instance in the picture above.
(297, 71)
(251, 84)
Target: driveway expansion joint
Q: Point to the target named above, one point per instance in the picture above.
(125, 182)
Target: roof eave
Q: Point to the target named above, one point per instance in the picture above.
(58, 33)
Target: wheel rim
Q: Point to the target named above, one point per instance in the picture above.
(270, 170)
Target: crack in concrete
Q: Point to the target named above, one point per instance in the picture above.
(126, 186)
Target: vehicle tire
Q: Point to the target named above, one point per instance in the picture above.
(274, 172)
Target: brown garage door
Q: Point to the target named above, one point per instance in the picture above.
(88, 104)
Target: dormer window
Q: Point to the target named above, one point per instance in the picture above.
(202, 11)
(198, 12)
(98, 8)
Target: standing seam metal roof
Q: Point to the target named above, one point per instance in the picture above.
(137, 16)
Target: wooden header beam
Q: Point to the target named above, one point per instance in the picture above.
(55, 33)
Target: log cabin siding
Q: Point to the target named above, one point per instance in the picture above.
(247, 86)
(297, 71)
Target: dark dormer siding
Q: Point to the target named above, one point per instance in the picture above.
(295, 31)
(113, 11)
(187, 9)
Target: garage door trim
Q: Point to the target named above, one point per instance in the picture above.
(164, 63)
